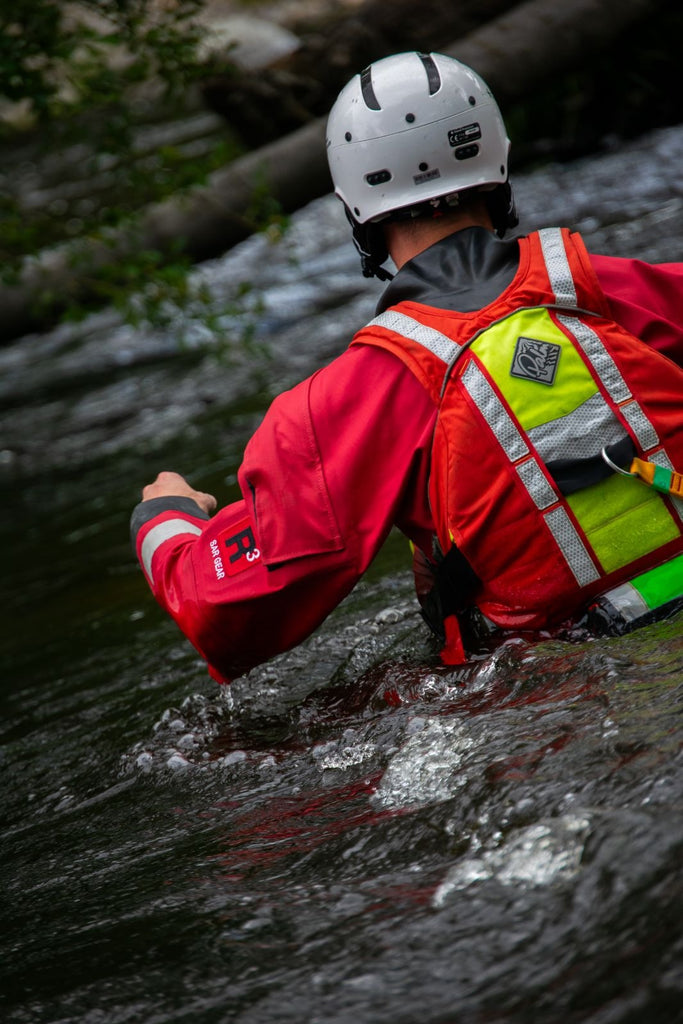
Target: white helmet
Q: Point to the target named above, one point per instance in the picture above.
(412, 129)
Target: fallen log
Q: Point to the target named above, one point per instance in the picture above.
(514, 52)
(303, 84)
(539, 39)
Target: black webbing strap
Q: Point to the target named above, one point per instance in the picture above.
(455, 584)
(572, 475)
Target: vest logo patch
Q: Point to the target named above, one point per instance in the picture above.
(535, 360)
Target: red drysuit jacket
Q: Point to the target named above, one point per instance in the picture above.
(338, 461)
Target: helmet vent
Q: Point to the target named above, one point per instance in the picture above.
(368, 93)
(467, 152)
(433, 76)
(378, 177)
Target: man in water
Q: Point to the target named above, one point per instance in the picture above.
(505, 409)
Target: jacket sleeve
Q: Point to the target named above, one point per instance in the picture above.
(336, 461)
(647, 299)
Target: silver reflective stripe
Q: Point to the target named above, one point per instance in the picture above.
(571, 546)
(494, 412)
(583, 432)
(557, 266)
(533, 478)
(628, 601)
(612, 381)
(585, 336)
(601, 360)
(439, 344)
(561, 281)
(156, 537)
(541, 493)
(660, 458)
(646, 435)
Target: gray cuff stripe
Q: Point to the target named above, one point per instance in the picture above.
(160, 533)
(153, 507)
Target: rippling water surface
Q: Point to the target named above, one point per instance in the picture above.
(352, 832)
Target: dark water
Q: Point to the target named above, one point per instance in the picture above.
(351, 833)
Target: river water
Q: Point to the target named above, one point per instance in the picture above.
(352, 832)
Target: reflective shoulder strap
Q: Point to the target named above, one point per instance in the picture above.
(443, 347)
(562, 283)
(557, 266)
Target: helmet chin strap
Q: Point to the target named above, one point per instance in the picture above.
(500, 203)
(372, 269)
(369, 241)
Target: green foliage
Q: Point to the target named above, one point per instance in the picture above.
(265, 211)
(84, 74)
(27, 50)
(134, 180)
(171, 297)
(154, 290)
(47, 51)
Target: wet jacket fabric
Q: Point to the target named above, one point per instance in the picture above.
(530, 388)
(339, 460)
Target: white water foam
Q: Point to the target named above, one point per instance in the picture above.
(533, 856)
(431, 767)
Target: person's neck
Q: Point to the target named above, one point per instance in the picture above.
(405, 239)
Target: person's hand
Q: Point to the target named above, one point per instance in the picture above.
(173, 485)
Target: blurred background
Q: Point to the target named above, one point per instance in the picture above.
(351, 832)
(111, 106)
